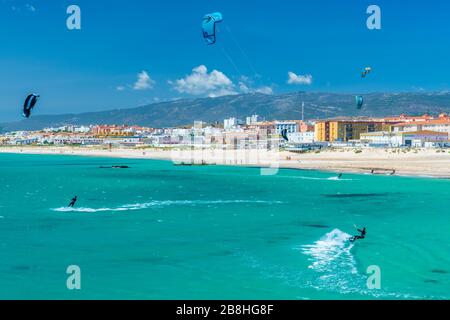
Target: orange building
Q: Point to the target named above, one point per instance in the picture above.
(344, 130)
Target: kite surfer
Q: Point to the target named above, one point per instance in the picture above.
(72, 202)
(362, 235)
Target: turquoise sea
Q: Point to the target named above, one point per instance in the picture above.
(158, 231)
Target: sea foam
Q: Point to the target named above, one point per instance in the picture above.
(332, 251)
(156, 204)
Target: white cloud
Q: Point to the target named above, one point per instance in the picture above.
(120, 88)
(265, 90)
(144, 82)
(243, 87)
(200, 82)
(299, 79)
(246, 88)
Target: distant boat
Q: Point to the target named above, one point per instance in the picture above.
(115, 167)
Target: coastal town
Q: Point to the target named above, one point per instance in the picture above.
(219, 159)
(424, 131)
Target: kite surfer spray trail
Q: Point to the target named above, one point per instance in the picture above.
(332, 259)
(331, 248)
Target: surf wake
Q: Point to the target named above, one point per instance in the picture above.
(158, 204)
(338, 179)
(317, 178)
(332, 258)
(331, 252)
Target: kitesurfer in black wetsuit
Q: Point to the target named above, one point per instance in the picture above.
(361, 236)
(72, 202)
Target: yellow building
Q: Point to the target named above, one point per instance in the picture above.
(344, 130)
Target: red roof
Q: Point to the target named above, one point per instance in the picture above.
(424, 123)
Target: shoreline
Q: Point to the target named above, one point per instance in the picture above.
(425, 163)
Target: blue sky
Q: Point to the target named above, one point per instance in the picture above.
(259, 42)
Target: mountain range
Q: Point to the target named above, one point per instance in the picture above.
(317, 105)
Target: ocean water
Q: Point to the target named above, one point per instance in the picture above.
(158, 231)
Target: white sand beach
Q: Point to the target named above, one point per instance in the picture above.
(415, 162)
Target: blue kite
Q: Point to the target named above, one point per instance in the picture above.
(29, 104)
(209, 26)
(359, 102)
(284, 134)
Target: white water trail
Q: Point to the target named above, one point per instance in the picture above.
(332, 251)
(317, 178)
(157, 204)
(332, 258)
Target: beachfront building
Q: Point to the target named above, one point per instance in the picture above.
(382, 139)
(405, 139)
(248, 139)
(177, 136)
(425, 139)
(441, 124)
(403, 118)
(293, 126)
(159, 140)
(302, 137)
(306, 126)
(71, 140)
(68, 129)
(131, 142)
(344, 130)
(20, 138)
(23, 141)
(290, 126)
(266, 126)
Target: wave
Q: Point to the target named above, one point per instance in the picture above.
(331, 252)
(156, 204)
(332, 259)
(338, 179)
(317, 178)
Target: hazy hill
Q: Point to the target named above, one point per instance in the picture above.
(284, 106)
